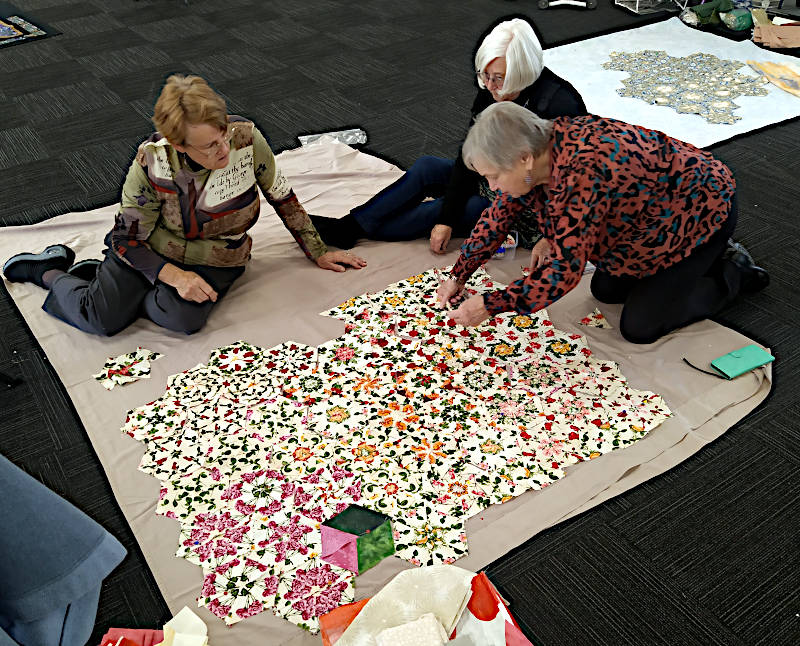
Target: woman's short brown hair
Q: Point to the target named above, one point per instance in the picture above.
(187, 100)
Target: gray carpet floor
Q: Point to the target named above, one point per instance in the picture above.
(705, 554)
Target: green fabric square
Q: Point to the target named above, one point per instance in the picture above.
(372, 530)
(356, 520)
(375, 546)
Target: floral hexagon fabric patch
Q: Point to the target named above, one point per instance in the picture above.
(406, 413)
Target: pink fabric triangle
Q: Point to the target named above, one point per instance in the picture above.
(515, 637)
(340, 548)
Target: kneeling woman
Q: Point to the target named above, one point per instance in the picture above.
(654, 214)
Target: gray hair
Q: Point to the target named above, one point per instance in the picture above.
(517, 43)
(503, 133)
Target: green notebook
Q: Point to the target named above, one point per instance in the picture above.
(743, 360)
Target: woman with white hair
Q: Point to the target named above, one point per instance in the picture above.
(509, 67)
(653, 214)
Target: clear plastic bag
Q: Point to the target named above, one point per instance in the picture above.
(351, 137)
(508, 249)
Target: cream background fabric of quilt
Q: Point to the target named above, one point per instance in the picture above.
(278, 298)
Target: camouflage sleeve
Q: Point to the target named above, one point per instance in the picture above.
(138, 215)
(281, 197)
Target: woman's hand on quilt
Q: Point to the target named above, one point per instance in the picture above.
(440, 238)
(471, 312)
(448, 293)
(340, 261)
(189, 285)
(540, 254)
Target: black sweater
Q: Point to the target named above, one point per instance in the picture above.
(549, 96)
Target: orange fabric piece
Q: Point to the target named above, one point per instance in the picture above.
(333, 624)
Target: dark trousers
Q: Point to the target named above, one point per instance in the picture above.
(695, 288)
(398, 212)
(119, 295)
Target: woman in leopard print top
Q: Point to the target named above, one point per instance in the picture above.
(653, 214)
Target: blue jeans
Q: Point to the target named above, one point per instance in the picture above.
(399, 213)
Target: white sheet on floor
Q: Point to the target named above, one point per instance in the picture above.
(582, 65)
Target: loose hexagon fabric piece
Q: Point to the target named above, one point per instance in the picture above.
(595, 318)
(126, 368)
(406, 413)
(698, 84)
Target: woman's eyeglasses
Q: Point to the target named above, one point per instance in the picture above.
(214, 146)
(496, 79)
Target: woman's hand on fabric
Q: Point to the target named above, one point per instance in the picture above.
(189, 285)
(440, 238)
(448, 292)
(340, 261)
(471, 312)
(540, 254)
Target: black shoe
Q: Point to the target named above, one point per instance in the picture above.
(85, 269)
(29, 267)
(338, 232)
(753, 278)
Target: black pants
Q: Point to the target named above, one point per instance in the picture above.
(119, 295)
(695, 288)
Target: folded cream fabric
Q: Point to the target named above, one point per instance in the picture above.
(425, 631)
(185, 629)
(440, 590)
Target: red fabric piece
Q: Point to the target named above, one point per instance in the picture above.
(483, 602)
(134, 637)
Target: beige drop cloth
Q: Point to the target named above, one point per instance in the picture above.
(278, 298)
